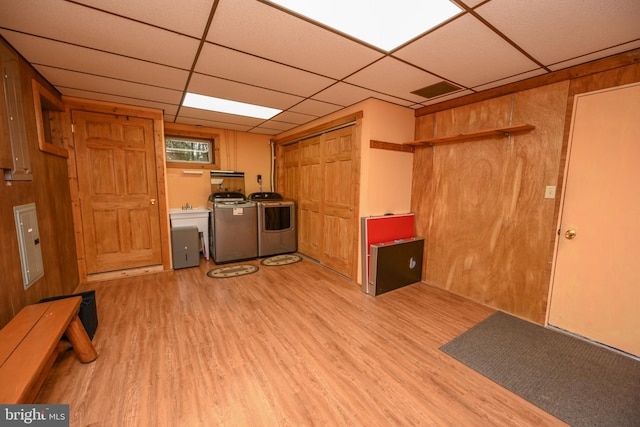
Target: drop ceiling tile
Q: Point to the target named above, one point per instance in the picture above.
(295, 118)
(185, 16)
(265, 131)
(395, 78)
(54, 54)
(77, 24)
(169, 110)
(466, 53)
(262, 30)
(470, 3)
(195, 113)
(554, 31)
(315, 108)
(596, 55)
(226, 89)
(86, 82)
(447, 97)
(345, 94)
(276, 125)
(212, 124)
(233, 65)
(511, 79)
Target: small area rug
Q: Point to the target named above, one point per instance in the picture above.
(281, 260)
(579, 382)
(232, 271)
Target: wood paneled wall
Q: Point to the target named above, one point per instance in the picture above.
(490, 232)
(50, 192)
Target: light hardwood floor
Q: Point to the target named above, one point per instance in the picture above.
(295, 345)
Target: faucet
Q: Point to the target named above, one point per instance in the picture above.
(187, 206)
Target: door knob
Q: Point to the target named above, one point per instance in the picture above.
(153, 201)
(570, 234)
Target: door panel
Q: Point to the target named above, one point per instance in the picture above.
(289, 189)
(118, 190)
(596, 287)
(310, 224)
(339, 201)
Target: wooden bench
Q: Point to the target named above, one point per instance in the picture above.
(30, 344)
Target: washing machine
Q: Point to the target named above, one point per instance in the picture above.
(234, 227)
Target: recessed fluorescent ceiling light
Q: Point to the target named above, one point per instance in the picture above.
(382, 23)
(227, 106)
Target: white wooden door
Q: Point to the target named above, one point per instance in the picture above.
(596, 285)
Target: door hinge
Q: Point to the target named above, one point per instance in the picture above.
(73, 128)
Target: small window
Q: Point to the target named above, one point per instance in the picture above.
(189, 150)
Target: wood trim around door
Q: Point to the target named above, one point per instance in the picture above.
(158, 135)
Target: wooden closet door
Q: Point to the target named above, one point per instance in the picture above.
(310, 202)
(118, 191)
(339, 200)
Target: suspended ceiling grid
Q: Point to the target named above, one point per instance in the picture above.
(150, 52)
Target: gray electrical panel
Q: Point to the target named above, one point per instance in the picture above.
(29, 243)
(185, 246)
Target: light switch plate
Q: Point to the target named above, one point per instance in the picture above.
(550, 192)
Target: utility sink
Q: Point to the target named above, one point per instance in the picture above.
(179, 213)
(193, 216)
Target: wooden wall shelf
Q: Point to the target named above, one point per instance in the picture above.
(506, 131)
(381, 145)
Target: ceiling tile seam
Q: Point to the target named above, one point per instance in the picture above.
(217, 121)
(106, 77)
(268, 120)
(322, 26)
(270, 128)
(253, 85)
(435, 98)
(214, 7)
(594, 52)
(430, 30)
(294, 105)
(507, 39)
(304, 98)
(430, 72)
(93, 49)
(506, 78)
(342, 80)
(468, 8)
(311, 117)
(289, 123)
(114, 95)
(270, 60)
(128, 18)
(482, 3)
(370, 90)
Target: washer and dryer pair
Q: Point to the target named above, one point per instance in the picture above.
(263, 224)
